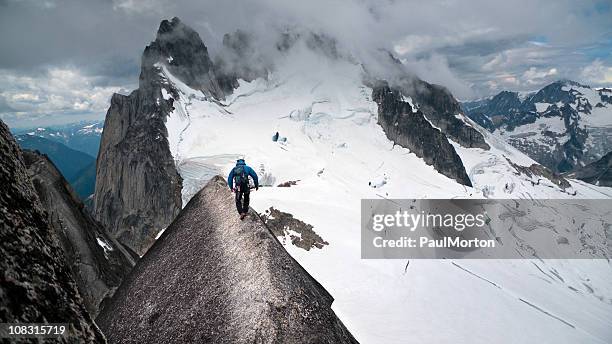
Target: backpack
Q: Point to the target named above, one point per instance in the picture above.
(241, 178)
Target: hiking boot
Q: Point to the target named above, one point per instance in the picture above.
(242, 216)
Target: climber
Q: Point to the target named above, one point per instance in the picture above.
(240, 175)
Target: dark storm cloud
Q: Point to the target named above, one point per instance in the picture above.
(475, 48)
(46, 32)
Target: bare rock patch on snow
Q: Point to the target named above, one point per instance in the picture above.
(298, 232)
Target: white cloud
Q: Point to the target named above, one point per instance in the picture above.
(136, 7)
(418, 43)
(56, 90)
(533, 76)
(597, 73)
(472, 47)
(435, 69)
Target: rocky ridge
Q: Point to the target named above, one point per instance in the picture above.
(36, 283)
(212, 278)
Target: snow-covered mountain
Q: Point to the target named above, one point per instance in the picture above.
(563, 126)
(344, 134)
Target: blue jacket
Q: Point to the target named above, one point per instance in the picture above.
(249, 171)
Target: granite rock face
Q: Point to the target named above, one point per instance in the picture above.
(98, 262)
(409, 128)
(212, 278)
(138, 189)
(36, 283)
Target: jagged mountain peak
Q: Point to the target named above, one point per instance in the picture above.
(553, 87)
(180, 49)
(506, 95)
(168, 26)
(174, 36)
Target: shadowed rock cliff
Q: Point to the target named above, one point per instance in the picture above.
(444, 111)
(98, 262)
(36, 284)
(212, 278)
(435, 102)
(597, 173)
(409, 128)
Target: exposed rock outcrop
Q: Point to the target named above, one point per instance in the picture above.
(36, 284)
(410, 129)
(98, 262)
(212, 278)
(286, 226)
(537, 172)
(597, 173)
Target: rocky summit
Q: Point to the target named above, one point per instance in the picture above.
(212, 278)
(180, 49)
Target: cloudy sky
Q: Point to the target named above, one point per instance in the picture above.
(62, 59)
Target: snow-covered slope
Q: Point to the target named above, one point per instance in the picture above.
(332, 146)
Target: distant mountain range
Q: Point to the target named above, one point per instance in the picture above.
(69, 161)
(563, 126)
(82, 136)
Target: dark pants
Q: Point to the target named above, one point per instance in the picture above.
(242, 200)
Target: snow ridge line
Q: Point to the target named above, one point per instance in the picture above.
(547, 313)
